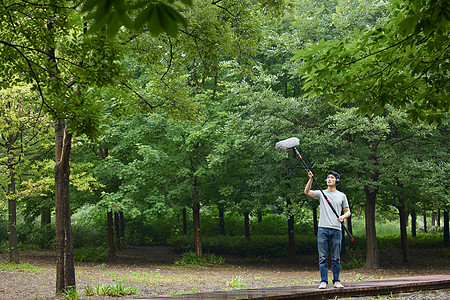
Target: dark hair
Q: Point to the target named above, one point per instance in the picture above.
(336, 175)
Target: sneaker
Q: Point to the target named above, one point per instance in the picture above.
(338, 285)
(323, 285)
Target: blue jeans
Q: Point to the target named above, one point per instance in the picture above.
(329, 240)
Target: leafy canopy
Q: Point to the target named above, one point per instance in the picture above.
(403, 62)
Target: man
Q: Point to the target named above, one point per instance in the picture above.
(329, 235)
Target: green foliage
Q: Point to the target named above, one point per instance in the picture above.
(191, 259)
(115, 290)
(89, 228)
(367, 69)
(392, 241)
(90, 254)
(3, 227)
(158, 16)
(353, 263)
(263, 246)
(4, 246)
(426, 240)
(70, 294)
(148, 230)
(35, 236)
(445, 252)
(236, 283)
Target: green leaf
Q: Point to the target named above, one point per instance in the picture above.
(90, 4)
(143, 16)
(154, 21)
(113, 25)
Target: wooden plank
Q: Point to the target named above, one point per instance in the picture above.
(352, 289)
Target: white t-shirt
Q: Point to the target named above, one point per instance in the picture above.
(327, 217)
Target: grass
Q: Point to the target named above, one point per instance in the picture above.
(19, 266)
(70, 294)
(184, 292)
(115, 290)
(235, 284)
(353, 262)
(445, 252)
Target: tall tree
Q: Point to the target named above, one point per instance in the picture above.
(23, 137)
(61, 66)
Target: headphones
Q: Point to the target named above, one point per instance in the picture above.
(336, 175)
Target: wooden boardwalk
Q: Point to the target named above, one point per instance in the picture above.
(352, 289)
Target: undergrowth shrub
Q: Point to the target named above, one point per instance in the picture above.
(90, 254)
(191, 259)
(3, 229)
(89, 228)
(256, 246)
(4, 246)
(35, 236)
(147, 230)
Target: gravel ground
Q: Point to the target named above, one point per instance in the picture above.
(150, 270)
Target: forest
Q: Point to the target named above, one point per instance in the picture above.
(155, 122)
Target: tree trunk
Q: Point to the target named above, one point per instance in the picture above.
(425, 221)
(316, 225)
(117, 227)
(221, 220)
(45, 217)
(111, 247)
(372, 259)
(12, 205)
(247, 225)
(350, 225)
(65, 269)
(122, 224)
(184, 221)
(12, 232)
(413, 224)
(446, 229)
(403, 232)
(197, 237)
(291, 233)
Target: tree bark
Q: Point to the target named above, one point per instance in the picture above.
(291, 233)
(221, 220)
(403, 232)
(117, 227)
(425, 229)
(111, 247)
(316, 225)
(65, 269)
(372, 259)
(247, 225)
(45, 217)
(197, 237)
(446, 229)
(413, 224)
(12, 205)
(184, 212)
(12, 232)
(122, 224)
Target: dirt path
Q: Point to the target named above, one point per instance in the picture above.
(152, 272)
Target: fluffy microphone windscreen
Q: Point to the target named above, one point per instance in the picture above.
(287, 144)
